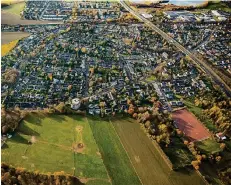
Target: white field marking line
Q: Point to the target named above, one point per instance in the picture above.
(126, 152)
(109, 178)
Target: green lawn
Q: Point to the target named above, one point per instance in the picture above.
(114, 156)
(197, 111)
(15, 8)
(208, 146)
(55, 137)
(151, 78)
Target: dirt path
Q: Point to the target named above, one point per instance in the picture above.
(85, 180)
(60, 146)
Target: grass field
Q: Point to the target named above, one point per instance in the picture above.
(14, 8)
(9, 2)
(114, 156)
(151, 78)
(55, 148)
(148, 162)
(114, 152)
(209, 146)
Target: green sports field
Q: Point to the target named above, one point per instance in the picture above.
(55, 148)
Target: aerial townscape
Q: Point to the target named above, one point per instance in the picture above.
(115, 92)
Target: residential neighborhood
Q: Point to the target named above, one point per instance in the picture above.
(116, 93)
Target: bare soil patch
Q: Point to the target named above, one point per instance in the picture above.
(12, 19)
(79, 148)
(137, 159)
(7, 37)
(79, 129)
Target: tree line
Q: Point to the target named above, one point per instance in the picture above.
(20, 176)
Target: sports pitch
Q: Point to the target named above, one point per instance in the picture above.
(190, 125)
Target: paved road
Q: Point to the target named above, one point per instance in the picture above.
(203, 66)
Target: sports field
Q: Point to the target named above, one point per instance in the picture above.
(190, 125)
(58, 143)
(147, 160)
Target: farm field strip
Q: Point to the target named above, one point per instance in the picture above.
(126, 152)
(8, 37)
(16, 8)
(114, 156)
(149, 164)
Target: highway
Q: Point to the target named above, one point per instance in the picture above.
(200, 64)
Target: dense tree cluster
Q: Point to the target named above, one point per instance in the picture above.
(10, 175)
(225, 175)
(158, 124)
(10, 76)
(10, 119)
(218, 108)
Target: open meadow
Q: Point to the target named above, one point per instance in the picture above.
(57, 143)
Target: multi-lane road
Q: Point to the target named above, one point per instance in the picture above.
(202, 65)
